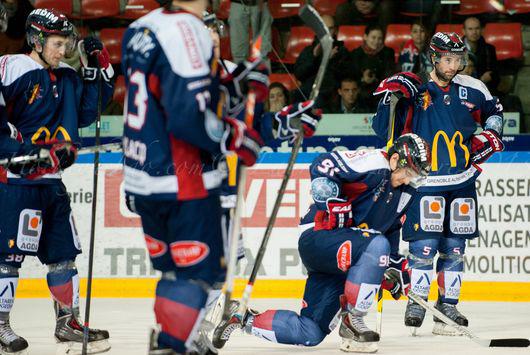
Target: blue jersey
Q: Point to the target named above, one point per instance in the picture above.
(363, 177)
(447, 119)
(172, 134)
(45, 104)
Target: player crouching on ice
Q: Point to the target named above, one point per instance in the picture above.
(347, 239)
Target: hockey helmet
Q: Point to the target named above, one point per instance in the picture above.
(414, 153)
(447, 43)
(42, 23)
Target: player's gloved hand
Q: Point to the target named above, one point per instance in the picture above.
(309, 118)
(93, 55)
(242, 140)
(484, 144)
(236, 85)
(50, 157)
(14, 133)
(406, 83)
(397, 277)
(338, 215)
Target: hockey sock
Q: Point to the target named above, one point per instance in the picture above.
(450, 271)
(8, 287)
(286, 327)
(63, 282)
(179, 312)
(420, 260)
(364, 278)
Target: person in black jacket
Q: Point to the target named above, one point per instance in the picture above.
(307, 63)
(348, 98)
(485, 54)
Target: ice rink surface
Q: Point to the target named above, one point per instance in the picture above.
(128, 321)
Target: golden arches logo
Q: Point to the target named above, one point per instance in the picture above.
(44, 131)
(450, 144)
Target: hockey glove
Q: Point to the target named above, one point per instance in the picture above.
(242, 140)
(309, 118)
(93, 55)
(50, 157)
(338, 215)
(247, 75)
(14, 133)
(484, 144)
(406, 83)
(397, 277)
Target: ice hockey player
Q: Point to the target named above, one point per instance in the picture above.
(346, 239)
(47, 101)
(446, 112)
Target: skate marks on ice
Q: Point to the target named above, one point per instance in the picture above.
(128, 321)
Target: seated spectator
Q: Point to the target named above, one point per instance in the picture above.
(278, 97)
(485, 54)
(366, 12)
(372, 62)
(307, 63)
(470, 68)
(414, 56)
(348, 99)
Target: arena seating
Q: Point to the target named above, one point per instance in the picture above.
(111, 38)
(451, 27)
(91, 9)
(138, 8)
(507, 39)
(327, 7)
(351, 35)
(396, 35)
(299, 38)
(119, 90)
(474, 7)
(517, 6)
(283, 8)
(287, 80)
(64, 6)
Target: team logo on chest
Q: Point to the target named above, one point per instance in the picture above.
(34, 94)
(425, 100)
(447, 99)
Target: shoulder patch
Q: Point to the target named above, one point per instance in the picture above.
(470, 82)
(14, 66)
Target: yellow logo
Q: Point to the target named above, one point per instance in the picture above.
(416, 227)
(34, 94)
(43, 133)
(426, 100)
(11, 243)
(450, 144)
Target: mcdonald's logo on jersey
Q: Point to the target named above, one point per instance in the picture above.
(451, 145)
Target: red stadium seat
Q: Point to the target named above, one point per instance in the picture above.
(299, 38)
(119, 90)
(507, 39)
(65, 7)
(287, 80)
(285, 8)
(351, 35)
(224, 10)
(138, 8)
(99, 8)
(474, 7)
(226, 52)
(327, 7)
(111, 38)
(517, 6)
(396, 35)
(458, 28)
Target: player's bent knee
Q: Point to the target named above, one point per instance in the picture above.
(379, 246)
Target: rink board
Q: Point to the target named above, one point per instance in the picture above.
(497, 264)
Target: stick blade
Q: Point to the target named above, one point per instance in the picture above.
(510, 343)
(311, 18)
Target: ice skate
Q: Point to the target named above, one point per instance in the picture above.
(69, 336)
(224, 329)
(450, 310)
(154, 348)
(10, 342)
(414, 316)
(356, 336)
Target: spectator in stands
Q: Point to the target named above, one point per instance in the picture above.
(348, 99)
(372, 62)
(306, 67)
(486, 64)
(13, 40)
(414, 56)
(365, 12)
(278, 97)
(471, 68)
(243, 13)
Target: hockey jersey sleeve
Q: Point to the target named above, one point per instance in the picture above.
(88, 93)
(380, 121)
(492, 114)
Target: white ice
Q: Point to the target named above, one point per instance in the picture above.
(129, 319)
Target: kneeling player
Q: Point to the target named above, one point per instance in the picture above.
(348, 235)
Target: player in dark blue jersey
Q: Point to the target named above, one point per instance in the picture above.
(446, 111)
(45, 102)
(346, 241)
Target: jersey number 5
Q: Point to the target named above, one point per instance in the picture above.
(138, 87)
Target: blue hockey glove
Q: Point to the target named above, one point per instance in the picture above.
(406, 83)
(247, 75)
(309, 118)
(484, 144)
(92, 54)
(242, 140)
(397, 277)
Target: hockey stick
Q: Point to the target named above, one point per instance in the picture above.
(93, 217)
(235, 222)
(105, 148)
(4, 163)
(313, 20)
(394, 99)
(489, 343)
(379, 316)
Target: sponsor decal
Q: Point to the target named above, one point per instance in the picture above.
(154, 246)
(463, 220)
(451, 145)
(29, 230)
(432, 213)
(188, 252)
(344, 256)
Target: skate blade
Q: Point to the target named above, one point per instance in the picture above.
(414, 331)
(21, 352)
(76, 348)
(444, 329)
(352, 346)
